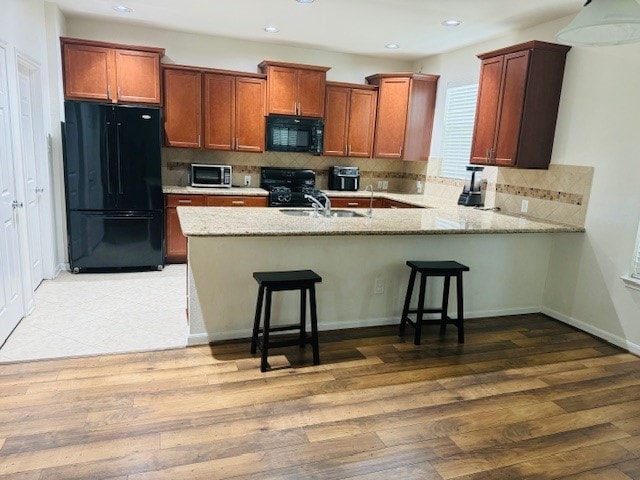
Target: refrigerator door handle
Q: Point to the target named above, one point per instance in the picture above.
(119, 167)
(108, 156)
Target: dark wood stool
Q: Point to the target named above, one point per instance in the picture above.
(446, 269)
(303, 280)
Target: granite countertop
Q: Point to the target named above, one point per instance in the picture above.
(176, 190)
(439, 219)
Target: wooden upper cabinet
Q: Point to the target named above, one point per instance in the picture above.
(86, 71)
(517, 105)
(294, 89)
(182, 108)
(110, 72)
(406, 107)
(137, 76)
(350, 112)
(234, 113)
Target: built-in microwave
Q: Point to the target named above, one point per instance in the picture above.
(203, 175)
(294, 134)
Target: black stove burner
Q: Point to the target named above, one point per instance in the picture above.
(288, 186)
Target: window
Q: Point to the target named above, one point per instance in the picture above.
(459, 115)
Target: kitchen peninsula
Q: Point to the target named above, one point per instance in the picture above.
(508, 257)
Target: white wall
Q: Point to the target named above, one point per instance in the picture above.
(597, 126)
(217, 52)
(22, 30)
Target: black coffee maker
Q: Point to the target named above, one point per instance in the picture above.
(471, 195)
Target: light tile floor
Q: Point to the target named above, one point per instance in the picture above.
(99, 313)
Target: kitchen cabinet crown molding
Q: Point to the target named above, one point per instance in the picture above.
(217, 71)
(533, 44)
(271, 63)
(94, 43)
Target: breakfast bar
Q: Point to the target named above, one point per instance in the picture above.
(361, 260)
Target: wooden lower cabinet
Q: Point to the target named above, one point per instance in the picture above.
(176, 242)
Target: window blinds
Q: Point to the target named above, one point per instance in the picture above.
(459, 115)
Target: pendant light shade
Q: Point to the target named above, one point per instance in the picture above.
(602, 23)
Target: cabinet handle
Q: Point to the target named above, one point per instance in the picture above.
(348, 150)
(184, 201)
(401, 151)
(237, 202)
(109, 92)
(118, 92)
(352, 204)
(198, 140)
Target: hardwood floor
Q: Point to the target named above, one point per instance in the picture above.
(524, 397)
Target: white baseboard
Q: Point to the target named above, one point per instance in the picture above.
(604, 335)
(205, 338)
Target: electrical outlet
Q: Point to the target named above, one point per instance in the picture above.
(380, 183)
(378, 286)
(524, 206)
(385, 185)
(247, 180)
(419, 186)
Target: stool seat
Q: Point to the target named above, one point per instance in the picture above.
(269, 282)
(445, 269)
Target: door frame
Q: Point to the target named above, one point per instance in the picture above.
(24, 61)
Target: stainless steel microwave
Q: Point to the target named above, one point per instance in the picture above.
(294, 134)
(203, 175)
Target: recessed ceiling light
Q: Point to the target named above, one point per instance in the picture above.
(271, 29)
(305, 1)
(451, 23)
(122, 9)
(392, 46)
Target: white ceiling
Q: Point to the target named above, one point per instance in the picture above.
(350, 26)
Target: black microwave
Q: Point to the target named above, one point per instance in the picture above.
(294, 134)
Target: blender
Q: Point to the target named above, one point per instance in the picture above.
(471, 195)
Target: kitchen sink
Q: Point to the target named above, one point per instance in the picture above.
(310, 213)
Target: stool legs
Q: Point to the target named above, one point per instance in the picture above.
(407, 301)
(420, 311)
(264, 365)
(314, 326)
(256, 321)
(460, 308)
(302, 339)
(445, 305)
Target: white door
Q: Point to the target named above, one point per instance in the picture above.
(11, 306)
(33, 189)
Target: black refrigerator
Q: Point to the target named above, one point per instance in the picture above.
(113, 186)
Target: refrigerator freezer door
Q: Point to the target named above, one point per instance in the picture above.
(89, 157)
(105, 240)
(136, 132)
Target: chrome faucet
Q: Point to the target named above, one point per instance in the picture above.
(317, 204)
(370, 211)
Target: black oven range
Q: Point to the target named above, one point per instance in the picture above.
(287, 187)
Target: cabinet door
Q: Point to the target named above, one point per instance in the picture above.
(176, 242)
(514, 84)
(249, 114)
(137, 76)
(362, 120)
(336, 120)
(86, 72)
(182, 108)
(311, 85)
(219, 111)
(484, 129)
(283, 88)
(393, 104)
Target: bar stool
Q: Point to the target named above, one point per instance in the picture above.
(269, 282)
(446, 269)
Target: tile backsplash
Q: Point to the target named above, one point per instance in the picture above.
(558, 194)
(400, 176)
